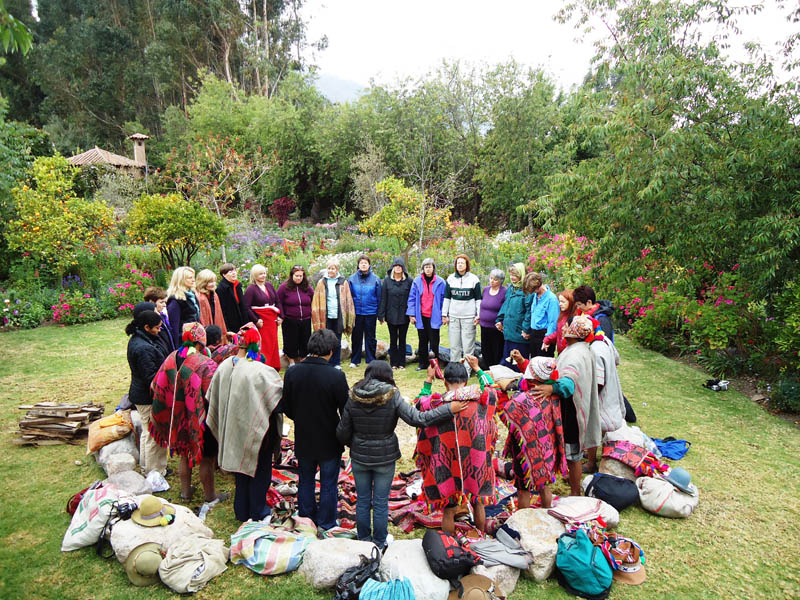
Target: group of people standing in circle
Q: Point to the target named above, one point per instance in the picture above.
(204, 365)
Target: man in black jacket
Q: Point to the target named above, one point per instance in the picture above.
(314, 395)
(587, 304)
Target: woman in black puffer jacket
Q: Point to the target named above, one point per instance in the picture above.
(367, 426)
(145, 355)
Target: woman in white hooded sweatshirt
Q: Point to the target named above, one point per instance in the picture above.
(461, 309)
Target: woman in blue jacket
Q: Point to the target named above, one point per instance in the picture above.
(365, 287)
(425, 310)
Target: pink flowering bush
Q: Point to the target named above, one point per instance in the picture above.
(566, 259)
(75, 307)
(124, 294)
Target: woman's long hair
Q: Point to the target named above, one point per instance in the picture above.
(290, 284)
(202, 279)
(177, 286)
(570, 303)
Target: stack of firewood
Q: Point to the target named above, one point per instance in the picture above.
(48, 423)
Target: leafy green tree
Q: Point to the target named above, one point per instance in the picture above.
(14, 34)
(177, 227)
(524, 145)
(409, 216)
(53, 225)
(699, 154)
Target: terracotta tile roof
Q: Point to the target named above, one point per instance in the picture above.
(98, 156)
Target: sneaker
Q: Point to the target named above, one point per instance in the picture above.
(353, 366)
(402, 368)
(338, 367)
(421, 368)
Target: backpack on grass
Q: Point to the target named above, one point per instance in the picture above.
(583, 570)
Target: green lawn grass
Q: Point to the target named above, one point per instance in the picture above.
(742, 542)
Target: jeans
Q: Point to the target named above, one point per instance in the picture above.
(250, 499)
(397, 344)
(324, 514)
(364, 328)
(373, 485)
(427, 334)
(336, 359)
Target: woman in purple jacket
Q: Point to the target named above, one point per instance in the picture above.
(295, 297)
(491, 339)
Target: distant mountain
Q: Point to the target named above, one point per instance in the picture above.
(336, 89)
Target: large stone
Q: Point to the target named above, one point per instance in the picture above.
(614, 467)
(538, 534)
(119, 463)
(406, 558)
(325, 560)
(609, 514)
(126, 445)
(127, 535)
(130, 482)
(504, 577)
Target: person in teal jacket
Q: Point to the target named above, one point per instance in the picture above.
(513, 319)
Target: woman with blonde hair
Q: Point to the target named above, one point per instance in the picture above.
(332, 307)
(263, 307)
(182, 304)
(207, 298)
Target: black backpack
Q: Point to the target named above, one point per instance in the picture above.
(349, 584)
(616, 491)
(447, 558)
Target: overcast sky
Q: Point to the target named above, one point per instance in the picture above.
(379, 39)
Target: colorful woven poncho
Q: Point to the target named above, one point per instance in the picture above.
(193, 378)
(536, 436)
(456, 456)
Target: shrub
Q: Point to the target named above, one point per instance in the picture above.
(660, 324)
(126, 293)
(22, 313)
(281, 208)
(565, 259)
(787, 334)
(786, 394)
(75, 307)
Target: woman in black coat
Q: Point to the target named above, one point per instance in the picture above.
(230, 295)
(367, 426)
(394, 301)
(145, 355)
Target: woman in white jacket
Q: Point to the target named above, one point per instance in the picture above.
(461, 308)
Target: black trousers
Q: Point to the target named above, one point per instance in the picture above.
(250, 499)
(491, 346)
(295, 337)
(536, 341)
(428, 337)
(397, 344)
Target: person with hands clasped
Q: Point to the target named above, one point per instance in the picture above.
(424, 310)
(461, 308)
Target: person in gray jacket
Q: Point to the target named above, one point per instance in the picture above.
(461, 309)
(367, 426)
